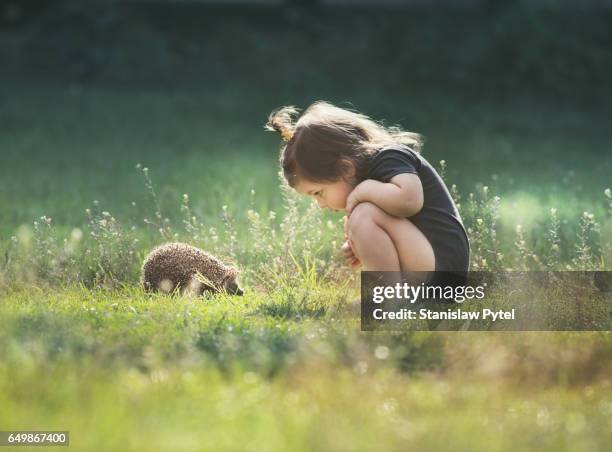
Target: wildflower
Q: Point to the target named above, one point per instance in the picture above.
(252, 215)
(361, 367)
(382, 351)
(76, 235)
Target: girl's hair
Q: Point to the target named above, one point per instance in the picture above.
(321, 144)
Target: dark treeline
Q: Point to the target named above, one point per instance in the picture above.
(498, 49)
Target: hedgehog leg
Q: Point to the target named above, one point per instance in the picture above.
(146, 285)
(192, 286)
(166, 285)
(206, 289)
(202, 284)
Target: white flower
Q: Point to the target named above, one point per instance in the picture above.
(381, 352)
(76, 235)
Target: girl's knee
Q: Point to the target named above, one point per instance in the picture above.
(362, 220)
(364, 214)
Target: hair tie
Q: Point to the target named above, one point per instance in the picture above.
(286, 134)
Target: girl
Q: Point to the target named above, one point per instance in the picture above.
(400, 215)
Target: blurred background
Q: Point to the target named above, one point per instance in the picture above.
(514, 95)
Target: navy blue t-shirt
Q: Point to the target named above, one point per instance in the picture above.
(439, 219)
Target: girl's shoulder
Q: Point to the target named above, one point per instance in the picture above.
(393, 159)
(398, 152)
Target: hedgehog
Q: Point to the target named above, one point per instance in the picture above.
(190, 269)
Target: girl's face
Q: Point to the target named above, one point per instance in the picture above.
(329, 195)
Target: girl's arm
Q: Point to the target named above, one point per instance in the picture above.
(402, 196)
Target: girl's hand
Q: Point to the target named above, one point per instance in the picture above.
(351, 259)
(347, 248)
(346, 227)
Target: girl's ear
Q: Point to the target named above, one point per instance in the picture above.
(348, 169)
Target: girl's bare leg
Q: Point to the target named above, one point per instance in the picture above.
(386, 243)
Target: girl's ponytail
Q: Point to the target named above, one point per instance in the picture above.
(281, 121)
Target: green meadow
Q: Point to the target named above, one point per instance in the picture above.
(95, 172)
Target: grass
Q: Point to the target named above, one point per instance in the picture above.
(125, 370)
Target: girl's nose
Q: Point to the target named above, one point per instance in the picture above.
(321, 203)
